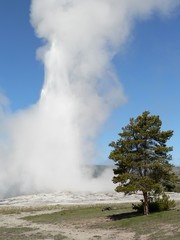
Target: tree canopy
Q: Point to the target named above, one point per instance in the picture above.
(142, 158)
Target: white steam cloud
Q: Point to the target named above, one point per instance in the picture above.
(44, 147)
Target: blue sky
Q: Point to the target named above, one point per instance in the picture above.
(150, 73)
(148, 67)
(21, 75)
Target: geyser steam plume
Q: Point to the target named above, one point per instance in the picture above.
(44, 147)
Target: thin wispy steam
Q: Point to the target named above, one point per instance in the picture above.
(45, 147)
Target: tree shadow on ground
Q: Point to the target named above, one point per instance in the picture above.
(121, 216)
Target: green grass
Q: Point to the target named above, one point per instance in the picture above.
(156, 226)
(13, 233)
(160, 225)
(19, 210)
(22, 233)
(78, 213)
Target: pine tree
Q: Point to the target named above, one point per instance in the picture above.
(142, 158)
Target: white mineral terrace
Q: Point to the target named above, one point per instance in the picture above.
(74, 198)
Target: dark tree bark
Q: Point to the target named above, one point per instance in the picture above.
(146, 207)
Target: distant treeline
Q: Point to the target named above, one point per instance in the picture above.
(99, 169)
(177, 170)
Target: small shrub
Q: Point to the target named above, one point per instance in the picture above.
(165, 203)
(156, 204)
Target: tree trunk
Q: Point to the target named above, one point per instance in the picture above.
(146, 207)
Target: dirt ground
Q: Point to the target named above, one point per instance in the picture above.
(75, 231)
(78, 230)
